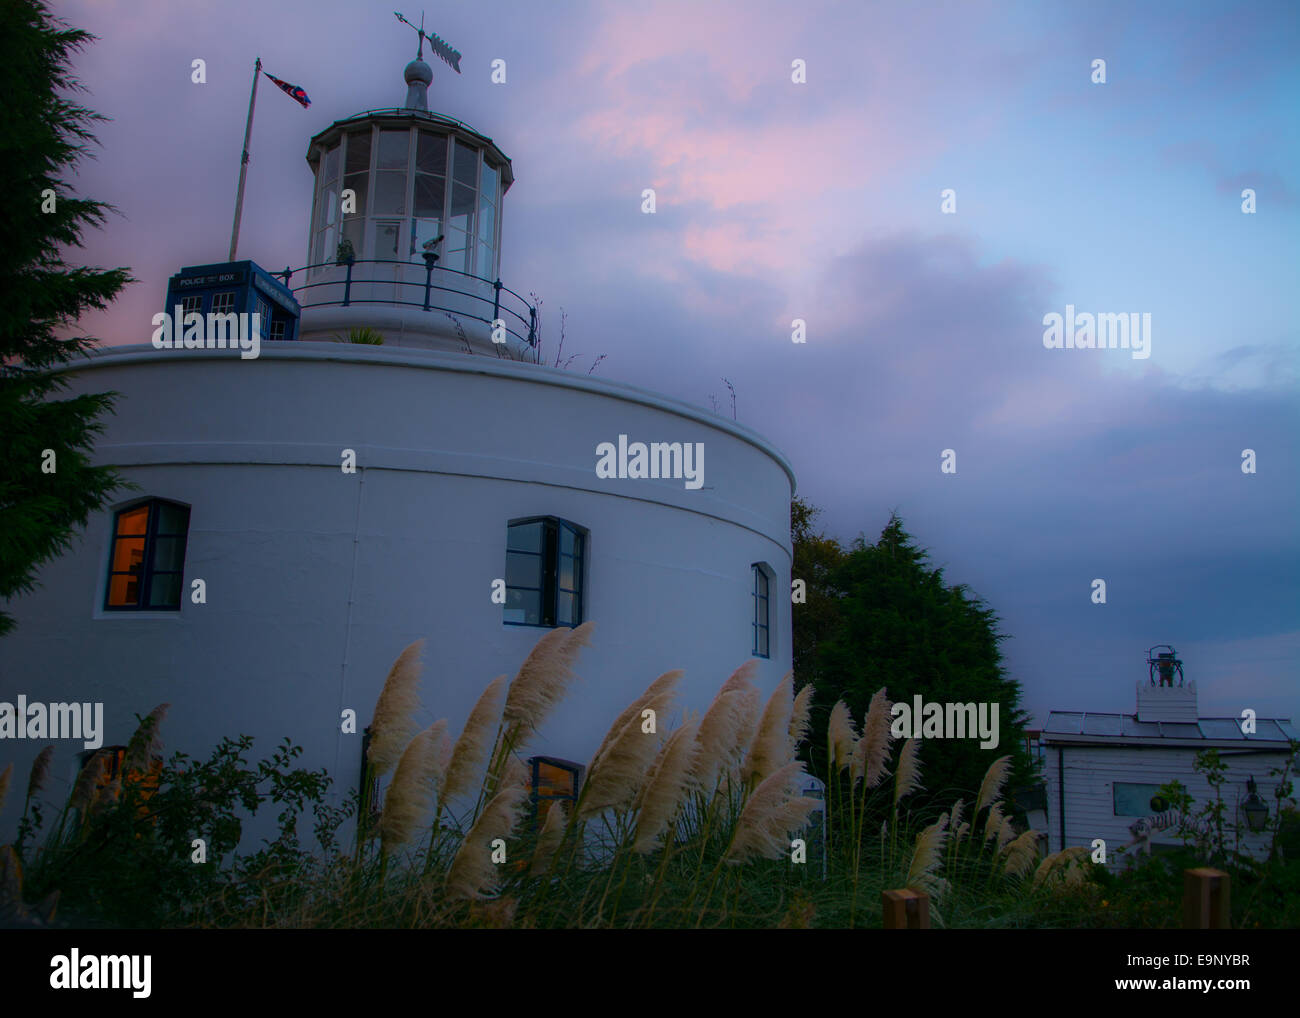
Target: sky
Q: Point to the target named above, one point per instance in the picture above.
(822, 200)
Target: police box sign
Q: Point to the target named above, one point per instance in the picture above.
(212, 279)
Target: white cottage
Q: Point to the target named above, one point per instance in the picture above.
(476, 480)
(1103, 771)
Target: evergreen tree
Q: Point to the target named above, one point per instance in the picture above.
(886, 618)
(48, 487)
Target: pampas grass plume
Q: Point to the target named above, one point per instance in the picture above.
(621, 767)
(770, 814)
(663, 793)
(726, 727)
(771, 746)
(40, 771)
(84, 789)
(1021, 853)
(470, 752)
(925, 857)
(841, 736)
(549, 839)
(146, 743)
(801, 717)
(872, 750)
(991, 786)
(908, 778)
(394, 725)
(472, 873)
(415, 782)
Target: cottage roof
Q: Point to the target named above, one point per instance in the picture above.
(1080, 727)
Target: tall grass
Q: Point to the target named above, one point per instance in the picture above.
(690, 824)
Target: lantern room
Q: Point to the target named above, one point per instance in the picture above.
(396, 184)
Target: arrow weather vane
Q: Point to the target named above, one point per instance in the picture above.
(439, 46)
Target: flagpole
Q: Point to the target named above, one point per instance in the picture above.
(243, 162)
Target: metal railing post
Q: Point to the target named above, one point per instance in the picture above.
(347, 287)
(496, 303)
(532, 326)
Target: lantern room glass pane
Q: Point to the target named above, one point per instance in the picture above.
(394, 146)
(465, 169)
(486, 222)
(360, 184)
(430, 193)
(490, 183)
(485, 267)
(358, 160)
(431, 153)
(330, 164)
(329, 205)
(386, 237)
(455, 251)
(390, 193)
(423, 232)
(353, 231)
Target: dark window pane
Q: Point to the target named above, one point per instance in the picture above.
(169, 554)
(330, 164)
(165, 591)
(564, 607)
(174, 519)
(762, 643)
(466, 166)
(568, 572)
(523, 569)
(524, 607)
(431, 153)
(429, 195)
(525, 537)
(358, 152)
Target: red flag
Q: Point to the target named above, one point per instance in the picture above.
(292, 91)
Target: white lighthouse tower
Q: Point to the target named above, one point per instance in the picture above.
(333, 502)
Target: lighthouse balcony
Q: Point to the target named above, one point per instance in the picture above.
(414, 304)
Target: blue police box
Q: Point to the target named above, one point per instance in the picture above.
(236, 288)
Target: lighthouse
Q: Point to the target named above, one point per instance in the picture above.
(300, 517)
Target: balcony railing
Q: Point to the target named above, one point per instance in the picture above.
(518, 317)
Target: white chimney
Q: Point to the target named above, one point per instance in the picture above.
(1167, 703)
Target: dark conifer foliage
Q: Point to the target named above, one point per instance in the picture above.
(48, 487)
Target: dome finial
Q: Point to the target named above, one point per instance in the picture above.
(418, 74)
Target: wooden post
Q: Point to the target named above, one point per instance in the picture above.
(906, 909)
(1206, 900)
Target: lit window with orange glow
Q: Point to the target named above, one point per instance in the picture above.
(553, 780)
(147, 560)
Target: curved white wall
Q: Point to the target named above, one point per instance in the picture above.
(316, 579)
